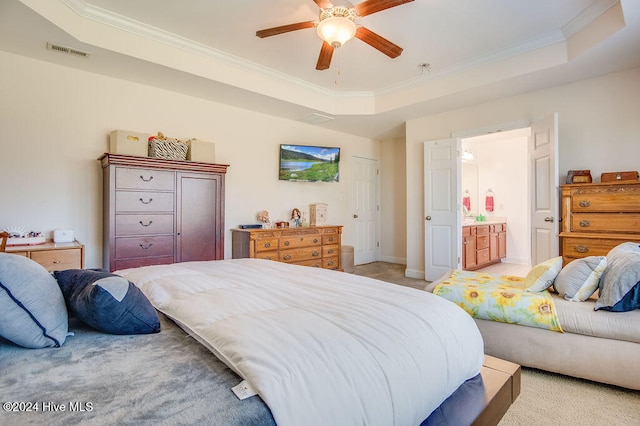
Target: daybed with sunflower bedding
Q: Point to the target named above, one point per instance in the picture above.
(582, 320)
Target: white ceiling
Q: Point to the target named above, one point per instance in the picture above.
(476, 51)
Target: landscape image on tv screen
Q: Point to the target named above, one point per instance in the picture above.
(309, 163)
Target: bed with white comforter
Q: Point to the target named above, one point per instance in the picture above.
(321, 347)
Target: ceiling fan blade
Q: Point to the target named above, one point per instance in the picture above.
(372, 6)
(324, 60)
(378, 42)
(323, 4)
(284, 29)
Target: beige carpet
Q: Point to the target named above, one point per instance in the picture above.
(546, 398)
(552, 399)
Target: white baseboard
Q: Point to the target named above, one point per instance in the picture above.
(414, 274)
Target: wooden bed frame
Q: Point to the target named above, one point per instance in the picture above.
(483, 400)
(502, 386)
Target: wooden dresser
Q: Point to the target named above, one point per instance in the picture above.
(159, 211)
(53, 256)
(597, 217)
(483, 244)
(317, 246)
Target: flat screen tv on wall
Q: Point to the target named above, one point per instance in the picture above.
(305, 163)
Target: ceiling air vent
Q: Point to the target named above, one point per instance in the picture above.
(67, 50)
(315, 118)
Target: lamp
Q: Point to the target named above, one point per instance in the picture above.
(336, 25)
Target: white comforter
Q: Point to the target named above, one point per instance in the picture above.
(321, 347)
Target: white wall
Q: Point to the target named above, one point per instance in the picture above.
(393, 242)
(598, 130)
(54, 123)
(502, 167)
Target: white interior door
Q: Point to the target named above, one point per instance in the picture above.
(442, 200)
(365, 207)
(543, 160)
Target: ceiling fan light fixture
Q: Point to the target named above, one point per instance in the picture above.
(336, 26)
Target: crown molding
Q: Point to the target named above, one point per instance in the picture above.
(587, 16)
(334, 102)
(105, 17)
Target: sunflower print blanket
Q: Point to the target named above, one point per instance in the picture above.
(500, 298)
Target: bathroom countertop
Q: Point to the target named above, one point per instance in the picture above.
(487, 221)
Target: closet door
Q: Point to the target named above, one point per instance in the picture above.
(200, 223)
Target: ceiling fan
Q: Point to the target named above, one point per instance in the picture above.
(336, 26)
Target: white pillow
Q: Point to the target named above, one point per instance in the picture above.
(542, 275)
(579, 279)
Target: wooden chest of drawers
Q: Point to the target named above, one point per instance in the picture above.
(53, 256)
(597, 217)
(317, 246)
(159, 211)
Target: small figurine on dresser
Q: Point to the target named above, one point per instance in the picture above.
(296, 218)
(263, 217)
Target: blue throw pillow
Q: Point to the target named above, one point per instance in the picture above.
(32, 310)
(107, 302)
(619, 285)
(629, 301)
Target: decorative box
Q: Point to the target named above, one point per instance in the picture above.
(202, 151)
(619, 177)
(168, 149)
(127, 142)
(579, 176)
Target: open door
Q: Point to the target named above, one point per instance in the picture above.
(442, 206)
(543, 160)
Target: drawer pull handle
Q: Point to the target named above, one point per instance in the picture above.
(585, 223)
(56, 262)
(267, 244)
(330, 239)
(330, 263)
(330, 251)
(584, 203)
(286, 243)
(145, 247)
(581, 249)
(315, 253)
(287, 256)
(146, 224)
(315, 241)
(146, 180)
(146, 202)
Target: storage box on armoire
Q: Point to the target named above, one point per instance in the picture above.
(126, 142)
(202, 151)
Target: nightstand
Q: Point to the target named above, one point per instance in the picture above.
(53, 256)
